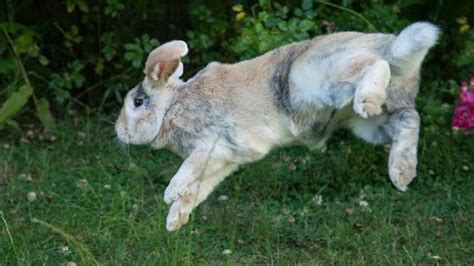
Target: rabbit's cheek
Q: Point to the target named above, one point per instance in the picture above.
(145, 130)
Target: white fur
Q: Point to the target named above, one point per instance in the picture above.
(417, 37)
(314, 81)
(368, 129)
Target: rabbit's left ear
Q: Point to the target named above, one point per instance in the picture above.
(164, 61)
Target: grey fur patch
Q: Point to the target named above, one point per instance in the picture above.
(401, 95)
(181, 141)
(406, 119)
(381, 135)
(228, 132)
(400, 120)
(321, 128)
(199, 118)
(279, 81)
(341, 94)
(140, 91)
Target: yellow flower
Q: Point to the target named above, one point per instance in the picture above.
(238, 8)
(240, 16)
(461, 20)
(464, 28)
(464, 24)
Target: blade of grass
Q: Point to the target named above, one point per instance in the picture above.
(9, 234)
(86, 255)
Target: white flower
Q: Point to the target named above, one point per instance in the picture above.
(436, 219)
(107, 186)
(71, 263)
(65, 250)
(81, 135)
(363, 204)
(226, 252)
(81, 183)
(291, 218)
(465, 168)
(31, 196)
(30, 133)
(26, 177)
(435, 257)
(223, 198)
(318, 199)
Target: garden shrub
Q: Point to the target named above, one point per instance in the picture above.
(58, 56)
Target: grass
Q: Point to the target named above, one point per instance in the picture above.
(99, 204)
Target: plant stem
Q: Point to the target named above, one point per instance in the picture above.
(83, 249)
(9, 234)
(19, 63)
(371, 26)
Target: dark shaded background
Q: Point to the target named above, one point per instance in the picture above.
(83, 70)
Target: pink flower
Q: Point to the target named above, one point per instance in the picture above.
(467, 97)
(463, 116)
(464, 112)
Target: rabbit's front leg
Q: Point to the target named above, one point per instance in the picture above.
(370, 93)
(405, 126)
(195, 180)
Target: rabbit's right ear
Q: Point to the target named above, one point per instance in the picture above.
(164, 61)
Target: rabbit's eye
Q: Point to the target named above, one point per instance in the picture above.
(138, 101)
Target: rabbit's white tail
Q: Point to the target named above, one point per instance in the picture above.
(413, 42)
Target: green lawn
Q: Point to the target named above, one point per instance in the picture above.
(99, 203)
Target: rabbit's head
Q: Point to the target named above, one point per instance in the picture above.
(140, 120)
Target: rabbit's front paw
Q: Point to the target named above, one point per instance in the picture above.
(178, 188)
(179, 213)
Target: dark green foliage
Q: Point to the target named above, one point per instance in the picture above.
(83, 53)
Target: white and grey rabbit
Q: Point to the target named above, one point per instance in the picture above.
(231, 114)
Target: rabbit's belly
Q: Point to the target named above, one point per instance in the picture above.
(316, 125)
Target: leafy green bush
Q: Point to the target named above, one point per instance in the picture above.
(81, 53)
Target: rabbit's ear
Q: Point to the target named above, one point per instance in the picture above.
(164, 61)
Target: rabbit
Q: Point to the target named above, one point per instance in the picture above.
(299, 94)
